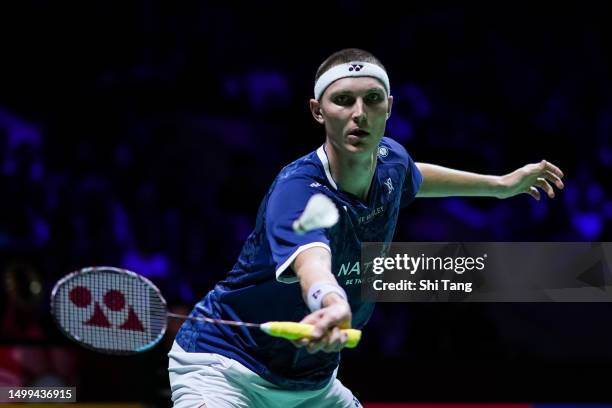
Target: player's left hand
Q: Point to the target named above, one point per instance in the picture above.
(530, 179)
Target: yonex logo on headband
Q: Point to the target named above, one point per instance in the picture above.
(351, 69)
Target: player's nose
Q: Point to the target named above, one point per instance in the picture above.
(359, 114)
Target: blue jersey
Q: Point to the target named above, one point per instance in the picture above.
(262, 286)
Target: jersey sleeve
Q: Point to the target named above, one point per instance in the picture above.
(286, 203)
(412, 182)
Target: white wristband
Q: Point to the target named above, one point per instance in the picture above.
(317, 292)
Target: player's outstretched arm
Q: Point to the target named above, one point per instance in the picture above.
(440, 181)
(313, 268)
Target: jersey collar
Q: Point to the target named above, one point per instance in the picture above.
(325, 162)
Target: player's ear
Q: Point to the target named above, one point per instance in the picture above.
(315, 109)
(390, 103)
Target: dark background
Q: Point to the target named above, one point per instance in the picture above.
(144, 135)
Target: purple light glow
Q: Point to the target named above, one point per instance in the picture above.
(589, 225)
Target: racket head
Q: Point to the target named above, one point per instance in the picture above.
(110, 310)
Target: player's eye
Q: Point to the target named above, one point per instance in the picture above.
(374, 97)
(343, 99)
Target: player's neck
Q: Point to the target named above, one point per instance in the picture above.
(352, 172)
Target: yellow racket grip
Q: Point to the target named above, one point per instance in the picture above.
(295, 331)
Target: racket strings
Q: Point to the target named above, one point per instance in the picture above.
(158, 319)
(110, 309)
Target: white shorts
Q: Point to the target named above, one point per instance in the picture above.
(220, 382)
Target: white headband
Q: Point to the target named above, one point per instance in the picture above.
(351, 69)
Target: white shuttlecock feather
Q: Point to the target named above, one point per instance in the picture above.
(320, 212)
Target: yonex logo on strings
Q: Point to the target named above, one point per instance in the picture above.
(114, 300)
(355, 67)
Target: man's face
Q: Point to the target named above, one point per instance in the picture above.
(354, 111)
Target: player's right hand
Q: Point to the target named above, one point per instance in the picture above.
(328, 321)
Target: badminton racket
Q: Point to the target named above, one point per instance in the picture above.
(117, 311)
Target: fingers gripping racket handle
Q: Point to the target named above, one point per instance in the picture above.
(295, 331)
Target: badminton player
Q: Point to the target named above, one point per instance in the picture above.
(282, 275)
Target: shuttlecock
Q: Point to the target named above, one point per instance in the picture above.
(320, 212)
